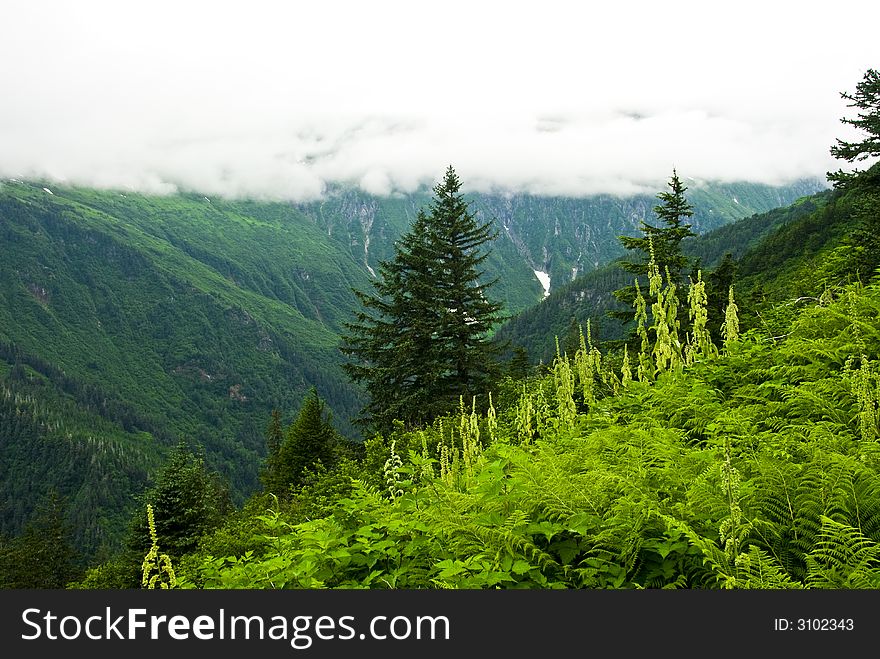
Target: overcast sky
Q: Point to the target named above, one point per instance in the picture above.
(277, 99)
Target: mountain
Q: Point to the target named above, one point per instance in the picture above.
(129, 321)
(783, 253)
(559, 237)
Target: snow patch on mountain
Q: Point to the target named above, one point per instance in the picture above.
(544, 278)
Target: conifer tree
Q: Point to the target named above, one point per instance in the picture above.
(43, 556)
(468, 357)
(666, 239)
(309, 441)
(189, 501)
(274, 432)
(392, 339)
(866, 100)
(865, 238)
(519, 366)
(421, 340)
(662, 244)
(274, 439)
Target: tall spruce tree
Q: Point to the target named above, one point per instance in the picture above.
(468, 358)
(189, 500)
(664, 240)
(391, 342)
(421, 340)
(270, 472)
(519, 367)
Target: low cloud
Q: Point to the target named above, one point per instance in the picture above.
(255, 100)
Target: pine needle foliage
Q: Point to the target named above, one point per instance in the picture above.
(421, 337)
(866, 101)
(308, 443)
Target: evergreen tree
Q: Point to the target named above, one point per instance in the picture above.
(467, 315)
(519, 365)
(43, 556)
(274, 440)
(309, 443)
(865, 238)
(422, 341)
(188, 500)
(392, 338)
(664, 241)
(274, 433)
(866, 100)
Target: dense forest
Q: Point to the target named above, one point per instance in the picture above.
(721, 431)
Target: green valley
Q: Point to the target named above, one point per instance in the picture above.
(129, 321)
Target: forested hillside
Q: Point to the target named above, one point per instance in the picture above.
(760, 245)
(749, 461)
(129, 322)
(740, 457)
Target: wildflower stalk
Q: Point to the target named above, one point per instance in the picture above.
(730, 329)
(157, 568)
(625, 370)
(564, 379)
(392, 473)
(525, 417)
(643, 368)
(700, 343)
(491, 421)
(663, 349)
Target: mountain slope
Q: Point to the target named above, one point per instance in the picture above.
(761, 243)
(130, 321)
(561, 236)
(138, 320)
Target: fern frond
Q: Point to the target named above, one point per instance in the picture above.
(756, 569)
(843, 558)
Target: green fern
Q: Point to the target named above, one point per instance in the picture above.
(843, 558)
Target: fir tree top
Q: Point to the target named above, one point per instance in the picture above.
(866, 100)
